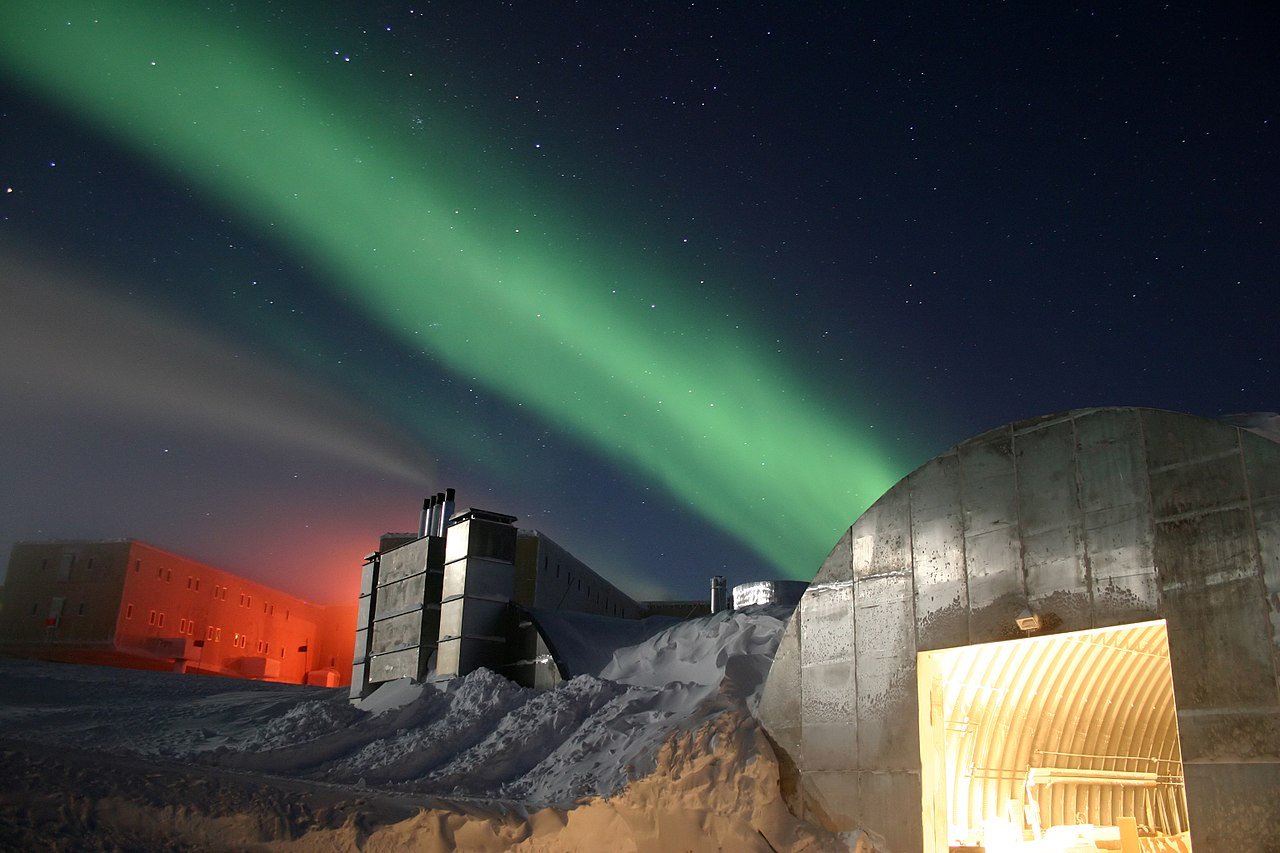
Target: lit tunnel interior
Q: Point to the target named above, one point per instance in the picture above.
(1027, 741)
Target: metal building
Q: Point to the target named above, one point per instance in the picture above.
(1066, 622)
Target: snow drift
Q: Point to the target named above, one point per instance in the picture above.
(657, 749)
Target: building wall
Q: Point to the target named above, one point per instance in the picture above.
(1090, 518)
(560, 581)
(147, 607)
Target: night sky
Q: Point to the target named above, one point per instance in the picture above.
(684, 286)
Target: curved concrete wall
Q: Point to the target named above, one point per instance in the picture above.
(1089, 518)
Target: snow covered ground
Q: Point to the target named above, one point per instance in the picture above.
(657, 751)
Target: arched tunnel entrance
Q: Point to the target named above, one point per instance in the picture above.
(1052, 743)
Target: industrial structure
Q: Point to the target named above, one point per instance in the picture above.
(470, 590)
(124, 603)
(1060, 631)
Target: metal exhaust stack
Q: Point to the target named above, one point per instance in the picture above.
(433, 526)
(446, 511)
(424, 520)
(719, 594)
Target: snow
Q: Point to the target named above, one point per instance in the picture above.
(564, 759)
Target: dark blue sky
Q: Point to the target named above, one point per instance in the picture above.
(939, 217)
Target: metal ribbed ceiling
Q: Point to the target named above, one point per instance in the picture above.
(1088, 718)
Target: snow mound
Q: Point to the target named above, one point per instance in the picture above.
(481, 736)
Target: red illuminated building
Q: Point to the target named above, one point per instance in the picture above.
(125, 603)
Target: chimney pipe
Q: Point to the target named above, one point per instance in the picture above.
(719, 594)
(425, 518)
(446, 511)
(436, 513)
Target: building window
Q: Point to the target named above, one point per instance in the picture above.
(151, 620)
(264, 607)
(80, 610)
(197, 584)
(189, 581)
(89, 565)
(35, 608)
(208, 633)
(137, 565)
(168, 575)
(182, 626)
(217, 635)
(160, 572)
(160, 621)
(128, 611)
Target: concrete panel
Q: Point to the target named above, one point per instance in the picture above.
(404, 561)
(1213, 600)
(937, 555)
(361, 647)
(890, 550)
(838, 566)
(448, 657)
(826, 621)
(881, 800)
(1237, 733)
(1233, 806)
(401, 664)
(1111, 459)
(479, 578)
(1266, 521)
(987, 484)
(997, 592)
(451, 617)
(886, 685)
(368, 577)
(364, 611)
(402, 596)
(1174, 439)
(1120, 548)
(780, 698)
(1262, 466)
(831, 799)
(1046, 490)
(829, 716)
(1205, 484)
(398, 632)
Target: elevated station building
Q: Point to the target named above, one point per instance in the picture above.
(473, 590)
(125, 603)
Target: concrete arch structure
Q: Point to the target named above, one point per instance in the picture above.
(1100, 552)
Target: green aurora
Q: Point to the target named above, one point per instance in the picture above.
(441, 246)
